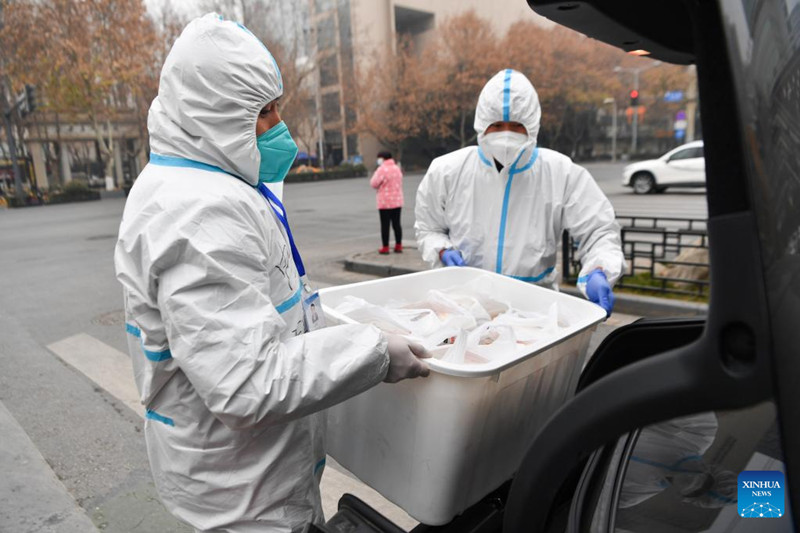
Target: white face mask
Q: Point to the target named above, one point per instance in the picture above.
(504, 146)
(379, 161)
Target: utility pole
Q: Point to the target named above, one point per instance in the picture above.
(636, 72)
(691, 105)
(613, 102)
(634, 137)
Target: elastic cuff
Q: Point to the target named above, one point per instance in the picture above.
(442, 251)
(598, 270)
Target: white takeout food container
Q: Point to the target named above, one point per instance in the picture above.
(434, 446)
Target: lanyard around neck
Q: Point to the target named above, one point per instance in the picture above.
(280, 212)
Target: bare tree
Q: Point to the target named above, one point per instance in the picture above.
(572, 75)
(279, 25)
(386, 94)
(167, 26)
(87, 56)
(459, 61)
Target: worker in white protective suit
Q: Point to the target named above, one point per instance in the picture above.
(502, 205)
(672, 453)
(217, 304)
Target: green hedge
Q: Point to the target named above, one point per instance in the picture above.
(28, 201)
(74, 191)
(341, 172)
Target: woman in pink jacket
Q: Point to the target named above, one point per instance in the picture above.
(388, 180)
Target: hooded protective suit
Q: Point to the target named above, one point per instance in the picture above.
(231, 382)
(510, 221)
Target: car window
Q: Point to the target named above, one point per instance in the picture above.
(684, 475)
(688, 153)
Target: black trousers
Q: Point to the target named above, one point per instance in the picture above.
(393, 216)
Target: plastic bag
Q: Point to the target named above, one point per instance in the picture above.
(445, 308)
(423, 325)
(530, 327)
(477, 296)
(492, 341)
(420, 322)
(465, 324)
(364, 312)
(483, 344)
(457, 352)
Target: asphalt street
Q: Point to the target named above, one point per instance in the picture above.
(60, 306)
(331, 216)
(675, 202)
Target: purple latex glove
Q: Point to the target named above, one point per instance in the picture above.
(599, 291)
(452, 258)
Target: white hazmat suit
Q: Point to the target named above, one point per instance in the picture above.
(231, 383)
(510, 221)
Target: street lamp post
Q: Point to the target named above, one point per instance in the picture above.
(613, 127)
(691, 104)
(634, 136)
(636, 72)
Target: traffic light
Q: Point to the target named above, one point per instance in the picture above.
(634, 98)
(30, 95)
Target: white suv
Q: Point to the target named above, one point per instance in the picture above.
(682, 167)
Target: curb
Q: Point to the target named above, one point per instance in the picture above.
(33, 497)
(116, 193)
(649, 306)
(629, 304)
(308, 178)
(353, 263)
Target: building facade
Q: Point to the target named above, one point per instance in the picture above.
(346, 33)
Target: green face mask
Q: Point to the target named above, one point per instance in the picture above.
(278, 151)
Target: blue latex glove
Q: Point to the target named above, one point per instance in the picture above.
(599, 291)
(452, 258)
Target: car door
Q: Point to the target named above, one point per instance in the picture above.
(699, 168)
(746, 356)
(682, 475)
(685, 167)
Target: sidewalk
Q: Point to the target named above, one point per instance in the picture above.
(629, 304)
(34, 500)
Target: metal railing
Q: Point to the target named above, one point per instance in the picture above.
(660, 252)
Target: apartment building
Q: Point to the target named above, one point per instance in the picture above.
(346, 32)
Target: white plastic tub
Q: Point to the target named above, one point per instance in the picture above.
(435, 446)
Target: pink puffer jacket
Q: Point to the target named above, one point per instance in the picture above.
(388, 179)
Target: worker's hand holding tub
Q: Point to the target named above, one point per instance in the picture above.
(404, 360)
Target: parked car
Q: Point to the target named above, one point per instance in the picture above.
(684, 166)
(96, 181)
